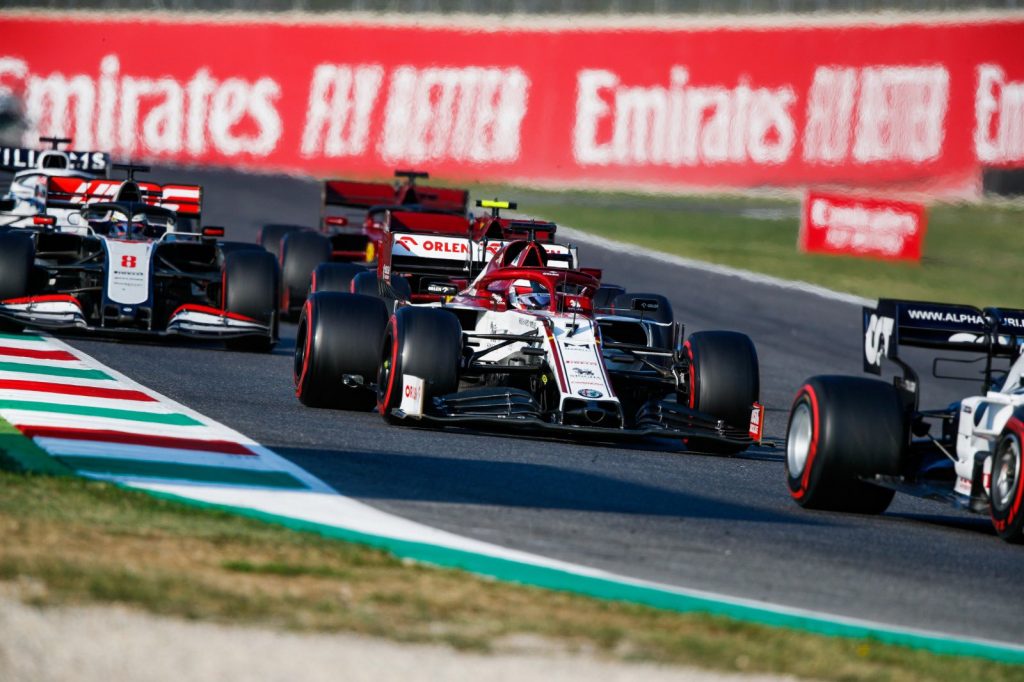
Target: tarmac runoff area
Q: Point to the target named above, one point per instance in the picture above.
(60, 643)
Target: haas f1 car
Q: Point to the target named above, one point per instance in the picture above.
(352, 215)
(25, 201)
(531, 342)
(854, 442)
(120, 267)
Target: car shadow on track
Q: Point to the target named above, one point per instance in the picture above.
(974, 524)
(383, 476)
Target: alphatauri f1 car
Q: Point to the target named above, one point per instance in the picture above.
(352, 215)
(521, 345)
(119, 266)
(853, 442)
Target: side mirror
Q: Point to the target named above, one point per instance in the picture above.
(212, 232)
(336, 220)
(645, 305)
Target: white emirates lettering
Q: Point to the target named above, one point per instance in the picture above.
(862, 228)
(680, 124)
(128, 114)
(999, 116)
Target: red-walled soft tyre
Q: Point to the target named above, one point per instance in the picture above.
(17, 254)
(338, 335)
(840, 430)
(335, 277)
(301, 252)
(725, 378)
(269, 237)
(420, 342)
(251, 288)
(1007, 491)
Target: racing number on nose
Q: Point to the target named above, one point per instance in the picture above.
(128, 261)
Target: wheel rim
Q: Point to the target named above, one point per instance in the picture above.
(1006, 473)
(798, 440)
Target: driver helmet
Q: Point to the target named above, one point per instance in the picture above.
(529, 295)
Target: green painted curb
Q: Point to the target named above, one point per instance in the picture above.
(26, 454)
(186, 472)
(52, 371)
(173, 419)
(613, 590)
(21, 337)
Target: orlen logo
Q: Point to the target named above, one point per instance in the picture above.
(433, 245)
(877, 339)
(412, 391)
(129, 261)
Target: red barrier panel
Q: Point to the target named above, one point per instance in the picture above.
(919, 105)
(860, 226)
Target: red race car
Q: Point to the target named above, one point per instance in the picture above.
(513, 339)
(352, 216)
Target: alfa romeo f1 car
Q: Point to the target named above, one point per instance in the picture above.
(120, 267)
(854, 442)
(352, 214)
(521, 345)
(25, 200)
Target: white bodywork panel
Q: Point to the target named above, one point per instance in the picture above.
(128, 267)
(571, 342)
(982, 421)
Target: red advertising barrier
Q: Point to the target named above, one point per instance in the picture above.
(857, 226)
(909, 103)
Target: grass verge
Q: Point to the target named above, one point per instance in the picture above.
(969, 254)
(71, 541)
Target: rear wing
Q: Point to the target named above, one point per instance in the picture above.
(353, 194)
(998, 332)
(15, 159)
(357, 194)
(71, 193)
(434, 248)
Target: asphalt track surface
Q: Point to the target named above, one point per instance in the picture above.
(725, 524)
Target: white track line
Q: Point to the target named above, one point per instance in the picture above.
(703, 266)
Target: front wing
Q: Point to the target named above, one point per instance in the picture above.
(511, 410)
(64, 312)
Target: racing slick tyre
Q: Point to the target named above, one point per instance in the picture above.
(231, 247)
(339, 336)
(724, 376)
(335, 277)
(250, 289)
(269, 237)
(367, 284)
(841, 429)
(17, 254)
(301, 252)
(605, 296)
(1008, 484)
(661, 333)
(420, 342)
